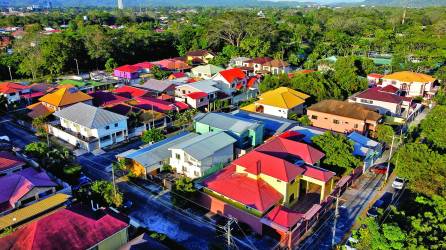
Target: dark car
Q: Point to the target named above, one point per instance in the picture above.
(379, 169)
(381, 203)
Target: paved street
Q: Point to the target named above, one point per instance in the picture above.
(18, 136)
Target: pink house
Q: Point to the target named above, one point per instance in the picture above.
(127, 72)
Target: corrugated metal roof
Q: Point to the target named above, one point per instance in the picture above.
(89, 116)
(154, 153)
(205, 145)
(32, 210)
(227, 122)
(206, 86)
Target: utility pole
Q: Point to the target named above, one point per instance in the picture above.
(10, 74)
(333, 242)
(390, 157)
(113, 179)
(227, 229)
(77, 66)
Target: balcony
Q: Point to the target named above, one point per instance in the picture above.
(78, 135)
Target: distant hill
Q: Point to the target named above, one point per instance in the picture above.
(410, 3)
(154, 3)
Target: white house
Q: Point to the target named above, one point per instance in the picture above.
(385, 101)
(203, 154)
(230, 80)
(410, 84)
(12, 91)
(89, 127)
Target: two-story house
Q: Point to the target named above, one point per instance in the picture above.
(281, 102)
(231, 79)
(202, 154)
(199, 56)
(89, 127)
(58, 100)
(205, 71)
(198, 94)
(12, 91)
(343, 116)
(127, 72)
(385, 101)
(410, 84)
(247, 132)
(275, 175)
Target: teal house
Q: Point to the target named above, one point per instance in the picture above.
(247, 132)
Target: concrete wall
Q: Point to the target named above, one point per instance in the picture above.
(115, 241)
(220, 207)
(325, 121)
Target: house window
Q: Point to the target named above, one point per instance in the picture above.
(292, 182)
(201, 99)
(107, 127)
(356, 126)
(314, 117)
(336, 121)
(184, 168)
(278, 180)
(177, 156)
(196, 173)
(116, 125)
(184, 92)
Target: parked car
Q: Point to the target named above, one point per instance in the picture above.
(350, 242)
(381, 203)
(379, 169)
(398, 183)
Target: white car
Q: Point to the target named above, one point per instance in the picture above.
(350, 242)
(398, 183)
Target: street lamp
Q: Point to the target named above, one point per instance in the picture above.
(77, 66)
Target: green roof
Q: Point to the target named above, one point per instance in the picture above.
(80, 84)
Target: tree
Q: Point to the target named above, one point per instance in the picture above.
(184, 189)
(3, 104)
(37, 149)
(372, 236)
(110, 64)
(159, 73)
(39, 123)
(424, 168)
(433, 127)
(384, 133)
(338, 152)
(105, 194)
(153, 135)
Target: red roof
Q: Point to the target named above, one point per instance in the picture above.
(285, 146)
(239, 86)
(251, 82)
(318, 173)
(181, 105)
(128, 68)
(374, 75)
(191, 80)
(149, 103)
(232, 74)
(104, 99)
(254, 193)
(390, 89)
(279, 158)
(259, 60)
(178, 75)
(11, 87)
(8, 161)
(378, 94)
(144, 65)
(197, 95)
(284, 217)
(256, 162)
(172, 64)
(129, 92)
(73, 227)
(32, 95)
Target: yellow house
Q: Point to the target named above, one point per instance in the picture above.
(281, 102)
(278, 172)
(199, 56)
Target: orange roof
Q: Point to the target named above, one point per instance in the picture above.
(39, 110)
(65, 96)
(408, 76)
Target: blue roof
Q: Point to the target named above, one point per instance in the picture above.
(363, 140)
(272, 124)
